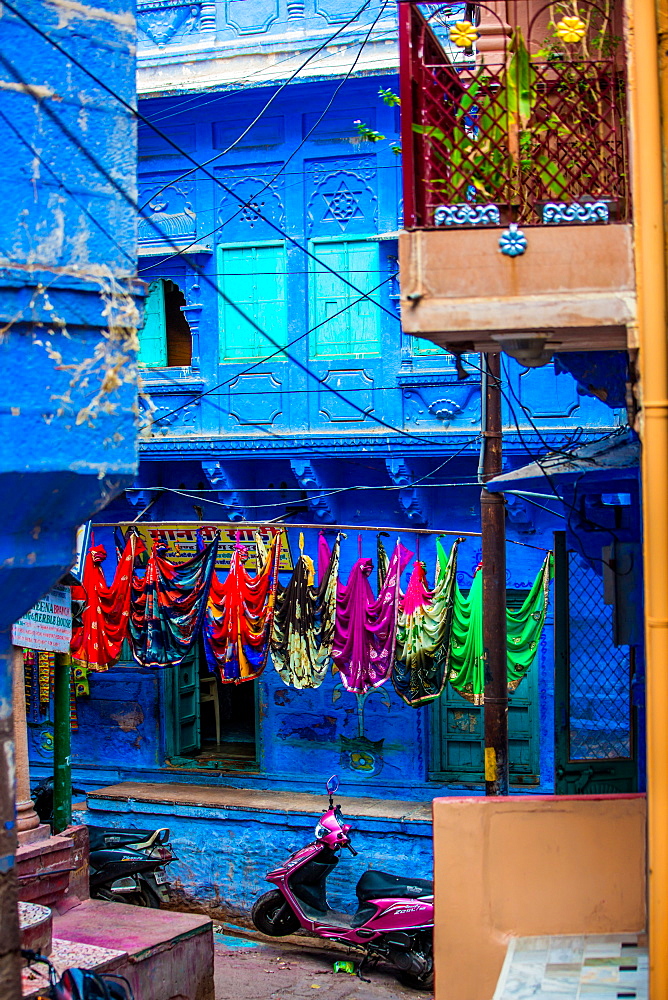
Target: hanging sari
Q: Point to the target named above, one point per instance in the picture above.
(168, 605)
(303, 631)
(239, 616)
(422, 658)
(366, 627)
(524, 628)
(104, 621)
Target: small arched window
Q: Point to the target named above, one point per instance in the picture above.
(165, 340)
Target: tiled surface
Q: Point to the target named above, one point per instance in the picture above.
(67, 955)
(591, 967)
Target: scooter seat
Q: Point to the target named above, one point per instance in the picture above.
(374, 885)
(101, 838)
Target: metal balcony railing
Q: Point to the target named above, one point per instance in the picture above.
(513, 111)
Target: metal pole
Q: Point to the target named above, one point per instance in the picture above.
(10, 969)
(62, 772)
(493, 523)
(647, 34)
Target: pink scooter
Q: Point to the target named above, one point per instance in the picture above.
(394, 920)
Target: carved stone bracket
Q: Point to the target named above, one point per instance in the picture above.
(520, 514)
(309, 480)
(219, 478)
(161, 20)
(402, 475)
(139, 498)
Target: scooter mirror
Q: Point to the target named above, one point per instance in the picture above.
(333, 784)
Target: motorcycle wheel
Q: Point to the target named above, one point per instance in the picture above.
(409, 979)
(425, 981)
(273, 916)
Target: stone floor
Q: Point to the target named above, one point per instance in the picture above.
(605, 967)
(222, 797)
(255, 970)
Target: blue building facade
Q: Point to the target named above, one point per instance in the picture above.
(69, 299)
(282, 386)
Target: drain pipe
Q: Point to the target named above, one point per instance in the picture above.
(648, 89)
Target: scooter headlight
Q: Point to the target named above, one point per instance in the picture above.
(320, 831)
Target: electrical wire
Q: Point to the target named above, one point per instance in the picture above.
(268, 357)
(271, 100)
(242, 85)
(251, 200)
(49, 111)
(537, 460)
(140, 117)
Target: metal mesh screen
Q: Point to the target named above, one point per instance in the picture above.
(475, 142)
(600, 710)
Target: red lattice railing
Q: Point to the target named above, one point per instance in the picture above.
(524, 120)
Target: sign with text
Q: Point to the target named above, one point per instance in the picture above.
(47, 626)
(181, 541)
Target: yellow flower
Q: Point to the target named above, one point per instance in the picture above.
(571, 29)
(463, 34)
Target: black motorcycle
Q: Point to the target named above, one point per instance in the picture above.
(80, 984)
(127, 866)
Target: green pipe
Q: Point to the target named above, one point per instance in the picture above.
(62, 771)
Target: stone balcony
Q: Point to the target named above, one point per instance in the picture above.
(573, 287)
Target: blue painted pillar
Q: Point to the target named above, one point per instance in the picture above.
(68, 316)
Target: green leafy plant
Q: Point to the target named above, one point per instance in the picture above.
(367, 133)
(370, 134)
(389, 97)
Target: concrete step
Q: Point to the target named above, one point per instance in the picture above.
(164, 955)
(35, 923)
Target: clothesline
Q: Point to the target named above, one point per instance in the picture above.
(240, 525)
(315, 622)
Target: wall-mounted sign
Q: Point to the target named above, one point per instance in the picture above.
(83, 544)
(181, 542)
(47, 626)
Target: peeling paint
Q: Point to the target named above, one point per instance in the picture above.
(32, 89)
(130, 720)
(69, 10)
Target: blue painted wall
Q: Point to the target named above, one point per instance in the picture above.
(245, 438)
(224, 854)
(67, 287)
(272, 436)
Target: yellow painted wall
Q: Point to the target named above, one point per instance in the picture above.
(530, 865)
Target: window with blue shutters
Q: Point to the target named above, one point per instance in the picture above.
(253, 277)
(165, 339)
(152, 335)
(353, 331)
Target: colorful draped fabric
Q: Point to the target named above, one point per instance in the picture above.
(366, 627)
(96, 643)
(303, 632)
(422, 658)
(168, 605)
(524, 631)
(239, 617)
